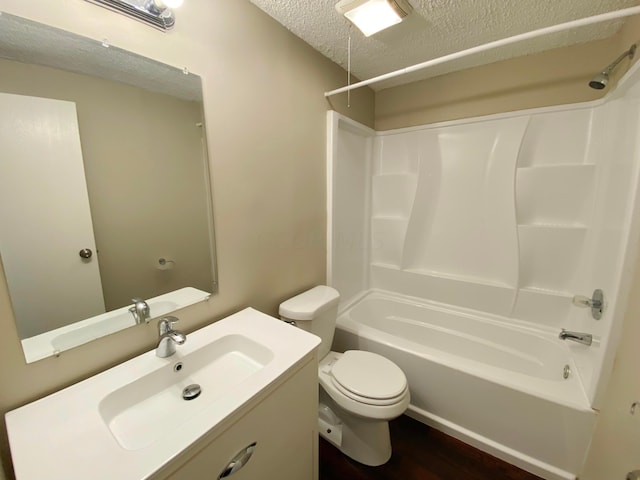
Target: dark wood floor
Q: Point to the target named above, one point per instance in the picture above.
(420, 453)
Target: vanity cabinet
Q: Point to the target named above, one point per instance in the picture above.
(283, 424)
(137, 420)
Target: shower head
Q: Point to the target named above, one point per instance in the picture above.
(600, 80)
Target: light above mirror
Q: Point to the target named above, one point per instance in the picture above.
(161, 4)
(131, 156)
(156, 13)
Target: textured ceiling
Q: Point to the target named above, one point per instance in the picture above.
(440, 27)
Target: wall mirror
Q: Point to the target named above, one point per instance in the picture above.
(104, 186)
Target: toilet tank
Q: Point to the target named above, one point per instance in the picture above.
(315, 311)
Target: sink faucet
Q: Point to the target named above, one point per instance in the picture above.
(584, 338)
(168, 337)
(140, 311)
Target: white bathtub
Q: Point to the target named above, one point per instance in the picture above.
(483, 379)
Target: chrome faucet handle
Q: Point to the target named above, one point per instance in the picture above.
(166, 324)
(140, 310)
(169, 337)
(137, 302)
(586, 302)
(595, 303)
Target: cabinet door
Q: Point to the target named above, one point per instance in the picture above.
(284, 427)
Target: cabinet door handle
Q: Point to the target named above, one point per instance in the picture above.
(239, 461)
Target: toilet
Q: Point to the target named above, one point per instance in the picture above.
(359, 391)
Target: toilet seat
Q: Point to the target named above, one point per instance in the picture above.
(365, 400)
(368, 378)
(360, 405)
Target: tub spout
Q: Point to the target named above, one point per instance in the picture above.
(584, 338)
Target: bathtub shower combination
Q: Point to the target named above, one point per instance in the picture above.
(462, 249)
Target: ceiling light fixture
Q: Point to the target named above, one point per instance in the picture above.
(372, 16)
(157, 13)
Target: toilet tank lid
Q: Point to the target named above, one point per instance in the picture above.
(309, 304)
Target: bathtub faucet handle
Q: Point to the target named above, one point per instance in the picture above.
(595, 303)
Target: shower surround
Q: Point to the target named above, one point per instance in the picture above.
(458, 248)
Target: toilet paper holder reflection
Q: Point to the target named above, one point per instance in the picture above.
(165, 264)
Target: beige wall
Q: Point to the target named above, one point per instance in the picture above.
(553, 77)
(265, 114)
(144, 164)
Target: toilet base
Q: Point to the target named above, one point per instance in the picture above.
(364, 440)
(367, 442)
(329, 425)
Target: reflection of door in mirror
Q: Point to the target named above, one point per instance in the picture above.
(45, 226)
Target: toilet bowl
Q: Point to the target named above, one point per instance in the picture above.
(359, 391)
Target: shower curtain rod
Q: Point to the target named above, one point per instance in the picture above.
(626, 12)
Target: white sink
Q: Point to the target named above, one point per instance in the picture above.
(152, 406)
(130, 420)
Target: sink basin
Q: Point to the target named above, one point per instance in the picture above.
(129, 421)
(141, 412)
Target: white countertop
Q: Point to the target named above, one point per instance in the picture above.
(64, 437)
